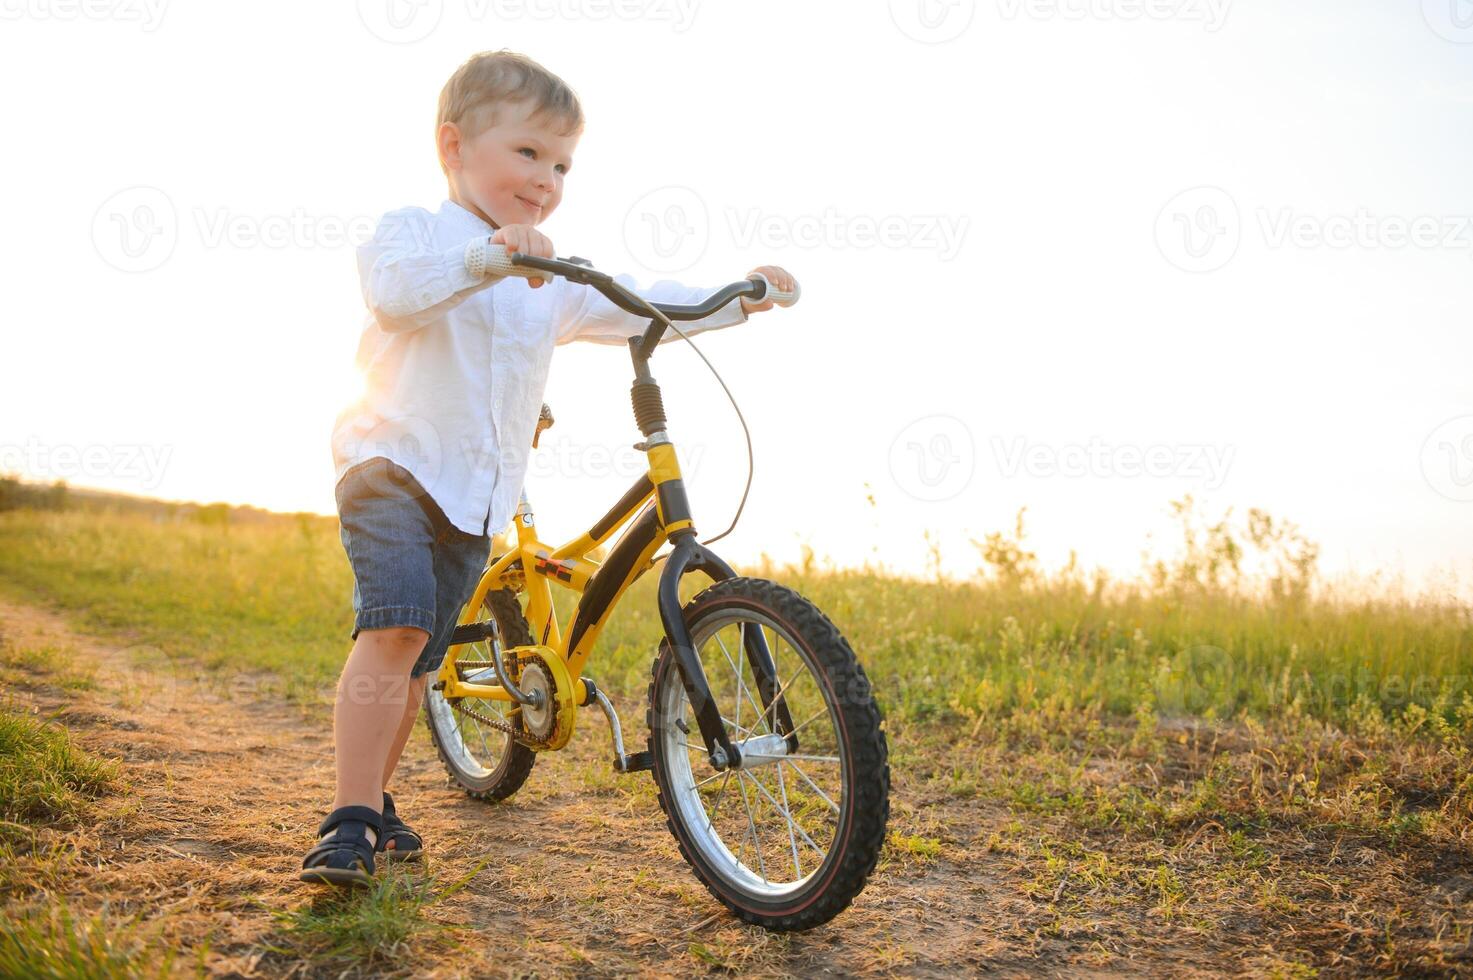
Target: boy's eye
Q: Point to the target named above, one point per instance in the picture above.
(530, 153)
(561, 169)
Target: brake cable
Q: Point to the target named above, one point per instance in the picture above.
(746, 433)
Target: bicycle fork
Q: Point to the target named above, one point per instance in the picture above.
(690, 555)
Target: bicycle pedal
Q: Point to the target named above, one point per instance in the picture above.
(638, 762)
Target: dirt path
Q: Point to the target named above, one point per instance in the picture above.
(581, 875)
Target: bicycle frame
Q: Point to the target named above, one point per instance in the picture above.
(536, 567)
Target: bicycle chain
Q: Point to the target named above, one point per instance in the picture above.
(519, 734)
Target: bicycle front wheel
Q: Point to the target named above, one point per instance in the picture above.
(787, 840)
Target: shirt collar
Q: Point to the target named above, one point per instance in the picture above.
(461, 218)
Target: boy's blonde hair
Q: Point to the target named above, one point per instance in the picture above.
(492, 78)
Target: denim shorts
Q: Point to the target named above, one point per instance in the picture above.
(411, 566)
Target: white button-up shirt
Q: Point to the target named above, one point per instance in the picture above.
(455, 367)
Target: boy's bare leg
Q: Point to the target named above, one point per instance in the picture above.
(406, 725)
(370, 710)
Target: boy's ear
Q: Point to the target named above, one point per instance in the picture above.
(448, 139)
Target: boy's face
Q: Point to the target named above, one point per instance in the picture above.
(512, 172)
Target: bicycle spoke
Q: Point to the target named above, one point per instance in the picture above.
(817, 715)
(813, 758)
(801, 832)
(782, 788)
(691, 745)
(720, 794)
(832, 805)
(741, 685)
(777, 699)
(752, 825)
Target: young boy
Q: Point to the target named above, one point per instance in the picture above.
(430, 461)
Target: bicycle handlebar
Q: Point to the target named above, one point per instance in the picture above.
(494, 259)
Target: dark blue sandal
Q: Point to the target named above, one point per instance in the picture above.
(346, 858)
(408, 846)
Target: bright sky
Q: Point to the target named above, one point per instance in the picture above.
(1080, 255)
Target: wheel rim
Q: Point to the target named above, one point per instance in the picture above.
(769, 830)
(475, 750)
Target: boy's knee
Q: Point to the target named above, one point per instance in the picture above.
(405, 641)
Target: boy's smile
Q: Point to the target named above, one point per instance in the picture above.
(512, 172)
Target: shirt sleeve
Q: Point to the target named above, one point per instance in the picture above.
(584, 313)
(408, 281)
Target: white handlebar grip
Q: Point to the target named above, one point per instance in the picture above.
(778, 296)
(486, 258)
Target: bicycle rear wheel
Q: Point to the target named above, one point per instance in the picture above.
(789, 839)
(487, 763)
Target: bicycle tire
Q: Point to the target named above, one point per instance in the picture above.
(859, 824)
(513, 760)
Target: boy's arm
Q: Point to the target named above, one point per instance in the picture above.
(583, 313)
(409, 282)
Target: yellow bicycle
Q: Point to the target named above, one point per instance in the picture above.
(765, 742)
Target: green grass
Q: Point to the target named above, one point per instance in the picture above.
(53, 943)
(373, 928)
(44, 776)
(273, 594)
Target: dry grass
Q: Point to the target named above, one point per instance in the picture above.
(1060, 840)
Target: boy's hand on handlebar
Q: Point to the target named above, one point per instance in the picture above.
(527, 240)
(780, 279)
